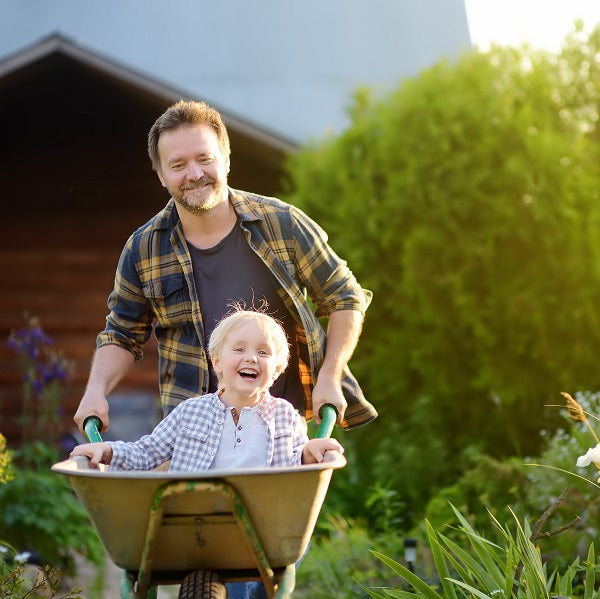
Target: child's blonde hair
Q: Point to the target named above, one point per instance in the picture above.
(269, 326)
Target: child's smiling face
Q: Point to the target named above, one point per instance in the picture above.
(247, 365)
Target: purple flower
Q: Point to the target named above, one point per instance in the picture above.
(42, 367)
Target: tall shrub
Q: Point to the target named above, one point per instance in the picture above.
(469, 201)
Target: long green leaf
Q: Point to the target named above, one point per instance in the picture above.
(372, 592)
(525, 551)
(472, 590)
(423, 589)
(590, 575)
(480, 545)
(440, 562)
(470, 568)
(533, 567)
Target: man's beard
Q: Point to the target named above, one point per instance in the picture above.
(206, 205)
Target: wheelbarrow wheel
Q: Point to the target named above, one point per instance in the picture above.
(203, 584)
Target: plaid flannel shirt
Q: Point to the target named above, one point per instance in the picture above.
(154, 289)
(189, 436)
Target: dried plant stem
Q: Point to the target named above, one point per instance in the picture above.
(576, 412)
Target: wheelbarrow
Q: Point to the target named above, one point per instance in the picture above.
(200, 529)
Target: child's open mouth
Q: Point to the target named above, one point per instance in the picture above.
(248, 374)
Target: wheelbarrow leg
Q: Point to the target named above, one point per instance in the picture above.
(128, 585)
(286, 583)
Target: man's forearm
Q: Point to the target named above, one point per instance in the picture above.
(343, 331)
(109, 366)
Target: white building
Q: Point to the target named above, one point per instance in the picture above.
(288, 67)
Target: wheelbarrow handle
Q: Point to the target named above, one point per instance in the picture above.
(92, 426)
(328, 415)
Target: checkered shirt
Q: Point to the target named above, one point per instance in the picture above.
(189, 436)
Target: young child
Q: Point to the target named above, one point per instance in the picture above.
(239, 426)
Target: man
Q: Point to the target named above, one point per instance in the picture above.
(213, 247)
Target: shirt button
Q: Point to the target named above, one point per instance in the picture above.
(211, 452)
(238, 440)
(239, 428)
(219, 421)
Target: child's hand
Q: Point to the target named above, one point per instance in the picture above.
(315, 449)
(99, 453)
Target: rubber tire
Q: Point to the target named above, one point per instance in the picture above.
(203, 584)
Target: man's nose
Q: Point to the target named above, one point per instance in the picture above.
(194, 171)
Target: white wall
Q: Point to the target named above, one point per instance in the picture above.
(287, 66)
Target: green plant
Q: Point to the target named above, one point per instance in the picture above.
(486, 569)
(39, 511)
(338, 561)
(467, 201)
(6, 468)
(45, 370)
(20, 580)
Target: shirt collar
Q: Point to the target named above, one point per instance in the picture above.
(265, 407)
(242, 206)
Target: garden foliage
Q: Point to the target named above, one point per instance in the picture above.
(479, 567)
(39, 513)
(468, 201)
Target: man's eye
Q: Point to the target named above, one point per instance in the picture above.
(206, 160)
(177, 167)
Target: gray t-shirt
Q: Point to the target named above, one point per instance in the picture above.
(231, 272)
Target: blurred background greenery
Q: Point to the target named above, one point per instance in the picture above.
(468, 201)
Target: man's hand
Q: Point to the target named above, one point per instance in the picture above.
(328, 390)
(92, 404)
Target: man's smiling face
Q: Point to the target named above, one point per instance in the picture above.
(193, 168)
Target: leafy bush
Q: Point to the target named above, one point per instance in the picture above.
(468, 201)
(499, 487)
(39, 512)
(339, 561)
(19, 580)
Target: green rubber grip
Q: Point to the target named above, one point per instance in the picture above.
(92, 426)
(328, 415)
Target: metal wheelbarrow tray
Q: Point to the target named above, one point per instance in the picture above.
(247, 524)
